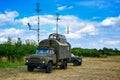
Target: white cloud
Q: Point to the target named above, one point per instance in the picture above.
(95, 17)
(24, 21)
(3, 39)
(8, 17)
(73, 21)
(70, 7)
(10, 31)
(90, 29)
(80, 30)
(73, 35)
(112, 42)
(77, 27)
(94, 3)
(101, 41)
(44, 19)
(15, 33)
(61, 8)
(111, 21)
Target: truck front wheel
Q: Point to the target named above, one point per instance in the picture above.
(30, 69)
(49, 68)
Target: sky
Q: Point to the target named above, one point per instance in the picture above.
(92, 23)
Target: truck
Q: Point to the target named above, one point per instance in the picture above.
(54, 51)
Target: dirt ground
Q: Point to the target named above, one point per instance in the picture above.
(91, 69)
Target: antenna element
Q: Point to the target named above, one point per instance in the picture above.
(38, 29)
(57, 18)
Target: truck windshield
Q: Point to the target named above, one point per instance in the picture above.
(44, 51)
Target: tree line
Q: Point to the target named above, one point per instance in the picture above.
(95, 53)
(15, 51)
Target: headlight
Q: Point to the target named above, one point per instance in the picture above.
(43, 61)
(26, 60)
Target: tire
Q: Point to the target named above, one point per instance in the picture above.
(76, 63)
(49, 68)
(80, 63)
(30, 69)
(64, 65)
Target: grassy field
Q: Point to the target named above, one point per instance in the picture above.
(91, 69)
(10, 64)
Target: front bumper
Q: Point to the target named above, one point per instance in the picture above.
(36, 64)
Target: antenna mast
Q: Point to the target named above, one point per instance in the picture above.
(57, 18)
(38, 29)
(38, 12)
(67, 29)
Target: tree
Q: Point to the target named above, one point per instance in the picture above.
(9, 48)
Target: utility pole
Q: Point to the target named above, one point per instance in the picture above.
(38, 28)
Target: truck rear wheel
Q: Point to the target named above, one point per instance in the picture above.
(30, 69)
(64, 65)
(49, 68)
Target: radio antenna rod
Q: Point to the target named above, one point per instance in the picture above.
(38, 11)
(38, 28)
(57, 18)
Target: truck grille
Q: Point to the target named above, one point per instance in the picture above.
(34, 60)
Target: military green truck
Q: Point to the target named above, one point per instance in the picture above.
(54, 51)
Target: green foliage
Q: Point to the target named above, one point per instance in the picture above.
(95, 53)
(17, 50)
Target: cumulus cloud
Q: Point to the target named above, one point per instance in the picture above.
(111, 21)
(90, 29)
(73, 35)
(10, 32)
(15, 33)
(78, 29)
(3, 39)
(94, 3)
(76, 26)
(8, 17)
(112, 42)
(61, 8)
(45, 19)
(70, 7)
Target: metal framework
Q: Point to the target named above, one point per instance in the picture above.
(38, 29)
(57, 18)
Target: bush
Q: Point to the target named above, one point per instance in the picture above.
(95, 52)
(16, 51)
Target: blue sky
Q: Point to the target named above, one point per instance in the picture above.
(92, 23)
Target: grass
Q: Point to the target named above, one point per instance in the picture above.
(91, 69)
(10, 64)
